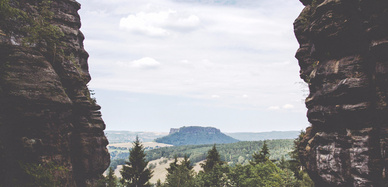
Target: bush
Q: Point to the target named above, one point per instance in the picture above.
(43, 175)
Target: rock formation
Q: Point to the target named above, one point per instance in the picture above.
(343, 57)
(195, 129)
(173, 130)
(195, 135)
(47, 116)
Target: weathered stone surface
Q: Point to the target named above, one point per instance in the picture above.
(46, 113)
(343, 57)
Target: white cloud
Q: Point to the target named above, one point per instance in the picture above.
(160, 23)
(182, 23)
(145, 23)
(146, 62)
(143, 63)
(288, 106)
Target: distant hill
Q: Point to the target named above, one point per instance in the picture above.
(130, 136)
(195, 135)
(257, 136)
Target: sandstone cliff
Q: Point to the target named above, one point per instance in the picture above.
(46, 114)
(343, 57)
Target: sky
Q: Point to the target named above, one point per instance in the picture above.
(161, 64)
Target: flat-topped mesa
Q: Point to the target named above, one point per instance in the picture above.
(47, 116)
(195, 135)
(195, 129)
(198, 129)
(343, 56)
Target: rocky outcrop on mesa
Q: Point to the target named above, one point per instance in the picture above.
(173, 130)
(343, 57)
(47, 117)
(195, 130)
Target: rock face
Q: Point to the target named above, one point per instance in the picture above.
(343, 57)
(173, 130)
(46, 114)
(195, 129)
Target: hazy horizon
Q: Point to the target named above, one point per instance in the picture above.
(220, 129)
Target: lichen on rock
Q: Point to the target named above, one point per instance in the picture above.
(46, 114)
(343, 58)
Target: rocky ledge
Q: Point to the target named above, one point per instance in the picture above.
(47, 117)
(343, 56)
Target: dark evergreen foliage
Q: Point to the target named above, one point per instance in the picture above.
(295, 164)
(108, 181)
(213, 170)
(180, 175)
(42, 174)
(212, 159)
(262, 156)
(135, 173)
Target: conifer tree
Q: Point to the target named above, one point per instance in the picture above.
(283, 164)
(295, 163)
(213, 170)
(173, 166)
(135, 173)
(158, 183)
(187, 163)
(265, 150)
(262, 156)
(111, 179)
(212, 159)
(180, 175)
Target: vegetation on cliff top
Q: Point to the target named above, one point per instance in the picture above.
(36, 26)
(196, 136)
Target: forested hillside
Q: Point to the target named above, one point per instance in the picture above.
(233, 153)
(259, 170)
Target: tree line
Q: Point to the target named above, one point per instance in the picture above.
(259, 171)
(233, 153)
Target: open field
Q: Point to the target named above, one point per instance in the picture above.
(197, 166)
